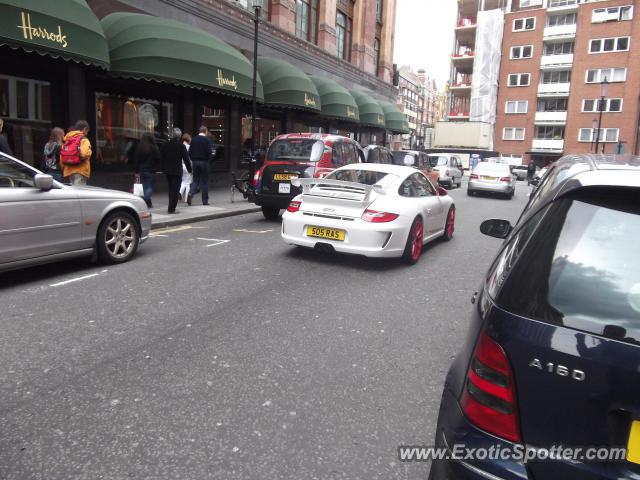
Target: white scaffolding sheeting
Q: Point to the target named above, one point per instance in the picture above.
(486, 66)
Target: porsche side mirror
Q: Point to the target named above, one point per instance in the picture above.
(496, 228)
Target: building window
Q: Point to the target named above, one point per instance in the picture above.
(599, 75)
(552, 105)
(610, 105)
(512, 158)
(566, 19)
(343, 35)
(518, 53)
(606, 135)
(376, 52)
(530, 3)
(564, 48)
(519, 79)
(379, 11)
(307, 20)
(513, 133)
(549, 133)
(524, 24)
(516, 106)
(612, 14)
(561, 3)
(606, 45)
(562, 76)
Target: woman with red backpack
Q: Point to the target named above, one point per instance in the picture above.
(75, 154)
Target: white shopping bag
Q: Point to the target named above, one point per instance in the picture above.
(137, 188)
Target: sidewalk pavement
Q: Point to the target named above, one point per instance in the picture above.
(219, 206)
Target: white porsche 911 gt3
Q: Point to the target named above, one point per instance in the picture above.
(375, 210)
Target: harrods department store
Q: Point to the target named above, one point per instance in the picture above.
(136, 66)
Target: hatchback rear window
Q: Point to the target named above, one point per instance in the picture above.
(581, 268)
(294, 150)
(437, 161)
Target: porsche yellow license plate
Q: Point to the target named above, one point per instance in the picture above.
(323, 232)
(633, 447)
(283, 177)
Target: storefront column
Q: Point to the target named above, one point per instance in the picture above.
(77, 95)
(235, 134)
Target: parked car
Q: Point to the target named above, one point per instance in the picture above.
(43, 221)
(449, 168)
(419, 160)
(492, 178)
(289, 157)
(369, 209)
(553, 345)
(377, 154)
(520, 171)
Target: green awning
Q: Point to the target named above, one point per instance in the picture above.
(371, 113)
(152, 48)
(394, 118)
(336, 100)
(58, 28)
(287, 86)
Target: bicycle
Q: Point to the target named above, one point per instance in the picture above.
(240, 182)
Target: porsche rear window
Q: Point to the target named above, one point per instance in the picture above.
(366, 177)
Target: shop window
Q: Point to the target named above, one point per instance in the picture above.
(25, 106)
(121, 121)
(267, 129)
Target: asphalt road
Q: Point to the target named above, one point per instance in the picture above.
(219, 352)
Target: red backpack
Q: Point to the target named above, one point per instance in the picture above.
(70, 151)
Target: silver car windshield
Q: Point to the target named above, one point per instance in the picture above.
(14, 174)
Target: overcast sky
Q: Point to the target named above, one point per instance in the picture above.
(424, 36)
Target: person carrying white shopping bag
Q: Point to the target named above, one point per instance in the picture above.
(187, 178)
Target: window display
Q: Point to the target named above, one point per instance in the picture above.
(25, 106)
(266, 129)
(121, 121)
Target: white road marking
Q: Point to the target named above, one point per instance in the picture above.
(244, 230)
(216, 241)
(77, 279)
(158, 235)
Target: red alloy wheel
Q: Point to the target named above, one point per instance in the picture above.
(416, 241)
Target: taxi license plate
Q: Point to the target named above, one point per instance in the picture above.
(492, 179)
(283, 177)
(633, 447)
(284, 188)
(322, 232)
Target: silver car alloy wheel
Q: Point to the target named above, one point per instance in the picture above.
(120, 237)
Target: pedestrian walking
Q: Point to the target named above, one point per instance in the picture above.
(173, 155)
(75, 154)
(200, 152)
(531, 171)
(51, 154)
(146, 161)
(4, 145)
(187, 178)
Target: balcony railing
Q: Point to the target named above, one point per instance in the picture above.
(550, 61)
(459, 113)
(547, 145)
(466, 22)
(554, 89)
(560, 31)
(551, 118)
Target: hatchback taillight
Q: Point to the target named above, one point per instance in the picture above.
(294, 207)
(374, 216)
(473, 176)
(256, 179)
(489, 397)
(505, 179)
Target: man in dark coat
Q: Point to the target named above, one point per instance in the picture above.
(172, 155)
(200, 152)
(531, 171)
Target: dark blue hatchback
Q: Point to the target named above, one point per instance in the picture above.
(552, 357)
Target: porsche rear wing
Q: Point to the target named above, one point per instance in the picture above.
(336, 188)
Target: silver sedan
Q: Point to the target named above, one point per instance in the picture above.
(44, 221)
(492, 178)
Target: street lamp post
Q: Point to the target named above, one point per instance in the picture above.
(601, 105)
(257, 6)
